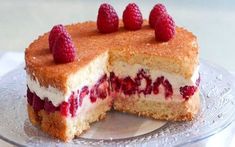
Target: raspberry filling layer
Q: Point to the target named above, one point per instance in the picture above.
(143, 83)
(106, 86)
(98, 91)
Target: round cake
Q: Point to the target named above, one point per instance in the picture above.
(77, 73)
(126, 70)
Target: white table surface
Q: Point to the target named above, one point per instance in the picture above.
(213, 21)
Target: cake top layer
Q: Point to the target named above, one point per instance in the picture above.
(181, 52)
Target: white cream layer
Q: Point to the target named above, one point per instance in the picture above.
(91, 73)
(122, 69)
(87, 76)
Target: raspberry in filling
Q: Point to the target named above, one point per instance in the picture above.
(156, 84)
(73, 104)
(101, 87)
(48, 106)
(93, 95)
(38, 104)
(115, 82)
(84, 92)
(29, 96)
(168, 88)
(64, 108)
(187, 91)
(128, 86)
(143, 82)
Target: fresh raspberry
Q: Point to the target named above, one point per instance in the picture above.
(93, 96)
(128, 86)
(54, 34)
(107, 19)
(115, 82)
(73, 104)
(38, 104)
(64, 109)
(102, 87)
(157, 83)
(84, 92)
(168, 88)
(155, 13)
(48, 106)
(164, 28)
(29, 96)
(64, 50)
(141, 77)
(187, 91)
(132, 17)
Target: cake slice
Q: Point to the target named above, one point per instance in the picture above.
(63, 99)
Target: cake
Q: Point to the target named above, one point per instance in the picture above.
(128, 71)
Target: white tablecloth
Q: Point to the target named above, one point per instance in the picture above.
(10, 60)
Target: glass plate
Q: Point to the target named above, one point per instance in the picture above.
(217, 112)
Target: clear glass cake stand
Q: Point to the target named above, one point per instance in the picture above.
(118, 129)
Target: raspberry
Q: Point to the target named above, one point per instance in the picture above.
(48, 106)
(29, 96)
(164, 28)
(143, 76)
(128, 86)
(64, 109)
(115, 82)
(156, 84)
(93, 95)
(168, 88)
(187, 91)
(84, 92)
(107, 19)
(64, 50)
(73, 104)
(102, 87)
(54, 34)
(38, 104)
(132, 17)
(155, 13)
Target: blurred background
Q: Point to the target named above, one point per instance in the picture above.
(213, 21)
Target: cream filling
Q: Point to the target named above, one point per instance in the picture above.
(123, 69)
(90, 74)
(87, 76)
